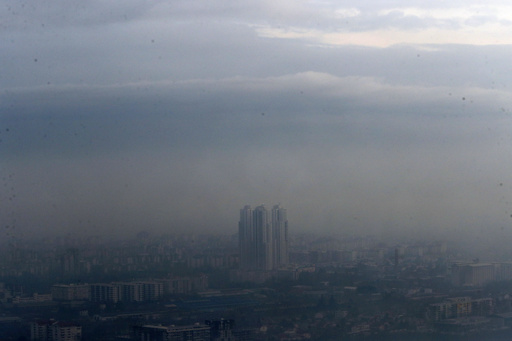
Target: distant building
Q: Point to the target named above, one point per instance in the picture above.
(211, 330)
(196, 332)
(143, 291)
(263, 238)
(35, 299)
(40, 330)
(133, 291)
(221, 329)
(280, 237)
(105, 292)
(185, 285)
(473, 274)
(503, 271)
(460, 307)
(71, 292)
(66, 331)
(51, 330)
(150, 333)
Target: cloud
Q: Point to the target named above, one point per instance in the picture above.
(484, 34)
(48, 15)
(453, 13)
(292, 94)
(473, 25)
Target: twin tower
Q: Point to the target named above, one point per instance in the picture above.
(263, 238)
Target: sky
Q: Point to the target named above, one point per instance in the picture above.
(365, 117)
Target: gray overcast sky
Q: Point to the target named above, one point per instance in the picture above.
(362, 116)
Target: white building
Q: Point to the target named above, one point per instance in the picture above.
(473, 274)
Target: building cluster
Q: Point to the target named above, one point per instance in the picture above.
(135, 291)
(89, 258)
(263, 238)
(333, 250)
(321, 288)
(263, 243)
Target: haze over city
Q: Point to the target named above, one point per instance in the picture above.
(366, 117)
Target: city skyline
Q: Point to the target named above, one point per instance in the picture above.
(133, 133)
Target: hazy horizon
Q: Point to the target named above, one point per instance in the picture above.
(365, 118)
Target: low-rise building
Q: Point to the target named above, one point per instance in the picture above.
(51, 330)
(71, 292)
(196, 332)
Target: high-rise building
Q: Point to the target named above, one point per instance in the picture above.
(246, 239)
(280, 236)
(263, 238)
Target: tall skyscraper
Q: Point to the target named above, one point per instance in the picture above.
(246, 239)
(263, 238)
(280, 236)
